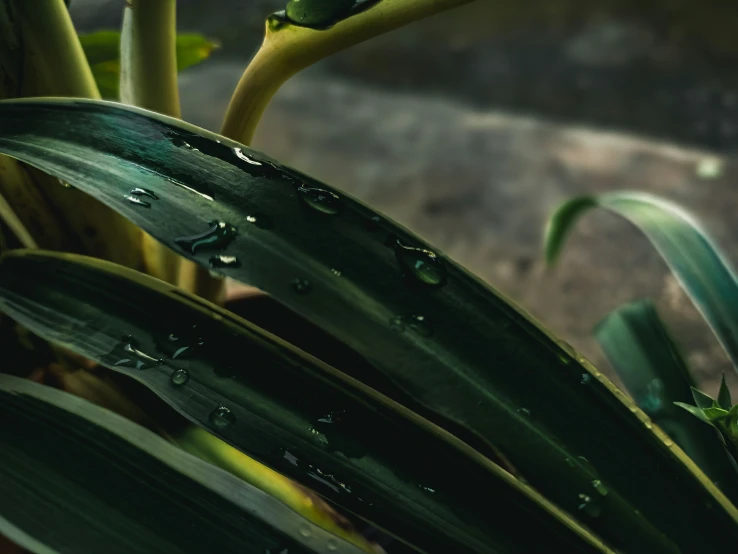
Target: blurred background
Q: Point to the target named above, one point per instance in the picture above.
(471, 126)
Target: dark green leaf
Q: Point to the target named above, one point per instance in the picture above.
(702, 399)
(283, 407)
(77, 478)
(696, 262)
(468, 358)
(724, 400)
(636, 342)
(102, 49)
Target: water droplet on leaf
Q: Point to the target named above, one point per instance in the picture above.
(180, 377)
(301, 286)
(600, 487)
(421, 265)
(336, 272)
(217, 237)
(586, 379)
(588, 506)
(224, 261)
(241, 156)
(416, 323)
(222, 417)
(137, 201)
(136, 358)
(173, 337)
(305, 530)
(143, 192)
(331, 545)
(321, 200)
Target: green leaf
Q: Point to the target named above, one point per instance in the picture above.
(696, 262)
(715, 414)
(77, 478)
(463, 353)
(724, 400)
(102, 49)
(702, 399)
(695, 411)
(283, 407)
(637, 344)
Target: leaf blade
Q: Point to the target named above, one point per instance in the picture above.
(34, 417)
(293, 230)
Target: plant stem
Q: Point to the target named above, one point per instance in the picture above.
(148, 79)
(53, 54)
(288, 48)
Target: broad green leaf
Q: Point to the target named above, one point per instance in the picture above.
(639, 347)
(696, 262)
(724, 400)
(307, 420)
(102, 49)
(462, 352)
(715, 414)
(77, 478)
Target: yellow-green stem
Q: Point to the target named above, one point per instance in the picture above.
(148, 79)
(288, 49)
(53, 54)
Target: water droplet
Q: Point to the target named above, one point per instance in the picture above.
(173, 337)
(222, 417)
(524, 411)
(181, 352)
(336, 272)
(416, 323)
(137, 201)
(372, 224)
(241, 156)
(588, 506)
(224, 261)
(217, 237)
(321, 200)
(301, 286)
(181, 143)
(586, 379)
(331, 545)
(143, 192)
(570, 462)
(136, 358)
(422, 265)
(64, 184)
(427, 489)
(180, 377)
(600, 487)
(305, 530)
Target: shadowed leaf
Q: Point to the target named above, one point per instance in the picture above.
(462, 352)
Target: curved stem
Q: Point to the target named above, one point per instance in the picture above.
(288, 48)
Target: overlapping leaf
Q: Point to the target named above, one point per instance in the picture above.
(285, 408)
(77, 478)
(461, 351)
(643, 354)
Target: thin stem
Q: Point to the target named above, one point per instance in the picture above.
(288, 48)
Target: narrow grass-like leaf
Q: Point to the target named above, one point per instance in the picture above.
(639, 347)
(695, 411)
(724, 400)
(460, 350)
(77, 478)
(285, 408)
(695, 260)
